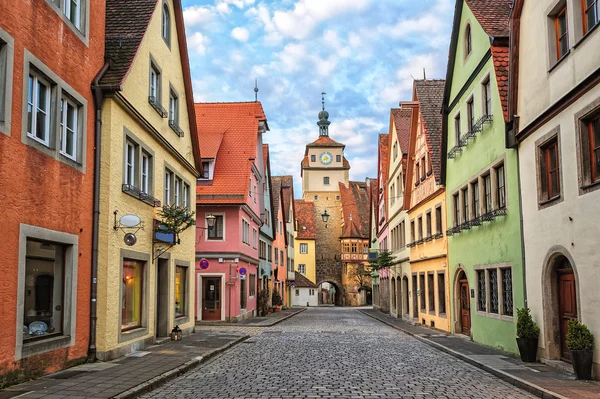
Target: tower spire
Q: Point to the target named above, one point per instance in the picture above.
(323, 122)
(255, 90)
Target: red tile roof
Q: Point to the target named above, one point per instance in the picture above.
(265, 157)
(402, 123)
(305, 216)
(211, 144)
(383, 172)
(276, 193)
(430, 95)
(287, 186)
(237, 124)
(356, 210)
(492, 15)
(302, 281)
(500, 56)
(323, 141)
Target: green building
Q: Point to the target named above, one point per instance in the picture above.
(485, 257)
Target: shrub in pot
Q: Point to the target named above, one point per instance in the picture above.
(276, 300)
(580, 342)
(528, 334)
(263, 303)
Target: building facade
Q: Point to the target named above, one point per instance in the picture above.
(49, 57)
(280, 257)
(379, 242)
(481, 179)
(305, 292)
(287, 192)
(425, 199)
(149, 164)
(267, 230)
(227, 256)
(555, 97)
(304, 239)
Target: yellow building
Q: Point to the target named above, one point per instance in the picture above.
(149, 159)
(304, 239)
(425, 201)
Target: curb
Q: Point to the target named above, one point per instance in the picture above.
(162, 379)
(217, 324)
(284, 318)
(511, 379)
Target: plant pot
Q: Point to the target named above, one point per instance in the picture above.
(528, 349)
(582, 363)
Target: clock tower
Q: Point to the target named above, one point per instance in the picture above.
(324, 167)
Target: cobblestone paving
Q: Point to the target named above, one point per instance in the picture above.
(335, 353)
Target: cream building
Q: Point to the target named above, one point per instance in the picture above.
(557, 129)
(149, 159)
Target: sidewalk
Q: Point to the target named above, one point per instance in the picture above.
(267, 321)
(537, 378)
(131, 375)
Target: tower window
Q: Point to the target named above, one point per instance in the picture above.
(313, 158)
(326, 181)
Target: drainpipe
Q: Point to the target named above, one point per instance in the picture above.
(98, 100)
(521, 226)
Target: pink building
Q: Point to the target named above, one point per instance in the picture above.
(229, 195)
(280, 242)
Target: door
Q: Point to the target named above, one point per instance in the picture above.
(162, 299)
(567, 308)
(414, 297)
(465, 307)
(211, 298)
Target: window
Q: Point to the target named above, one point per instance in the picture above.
(313, 158)
(441, 293)
(246, 232)
(177, 192)
(594, 144)
(44, 294)
(180, 291)
(68, 128)
(216, 233)
(338, 158)
(476, 202)
(470, 115)
(468, 41)
(465, 196)
(243, 294)
(501, 187)
(420, 228)
(487, 189)
(168, 182)
(132, 287)
(550, 170)
(138, 169)
(254, 237)
(303, 248)
(417, 173)
(591, 14)
(302, 268)
(252, 285)
(438, 220)
(423, 165)
(562, 33)
(428, 224)
(5, 74)
(487, 97)
(481, 289)
(38, 109)
(353, 248)
(173, 109)
(395, 151)
(392, 191)
(456, 210)
(154, 84)
(507, 297)
(281, 262)
(457, 129)
(422, 291)
(256, 193)
(276, 256)
(205, 170)
(250, 188)
(130, 164)
(262, 250)
(145, 171)
(186, 195)
(166, 25)
(431, 292)
(297, 292)
(269, 253)
(316, 198)
(72, 10)
(326, 180)
(412, 231)
(493, 281)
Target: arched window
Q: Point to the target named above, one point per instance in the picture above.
(166, 25)
(468, 41)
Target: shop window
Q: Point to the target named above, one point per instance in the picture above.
(181, 297)
(132, 300)
(431, 292)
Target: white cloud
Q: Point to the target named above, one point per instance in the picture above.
(239, 3)
(240, 34)
(197, 15)
(292, 56)
(197, 42)
(223, 8)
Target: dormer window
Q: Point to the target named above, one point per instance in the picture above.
(206, 170)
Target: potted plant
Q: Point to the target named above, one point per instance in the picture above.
(580, 342)
(528, 334)
(277, 301)
(263, 303)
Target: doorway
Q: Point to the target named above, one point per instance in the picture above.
(415, 304)
(465, 304)
(162, 299)
(405, 301)
(211, 298)
(567, 304)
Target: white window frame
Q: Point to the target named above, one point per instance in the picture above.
(173, 107)
(145, 173)
(168, 179)
(67, 4)
(303, 248)
(176, 191)
(166, 24)
(64, 127)
(33, 102)
(302, 268)
(130, 163)
(154, 83)
(186, 195)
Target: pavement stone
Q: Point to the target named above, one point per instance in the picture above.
(335, 353)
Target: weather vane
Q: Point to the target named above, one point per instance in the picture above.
(255, 90)
(323, 99)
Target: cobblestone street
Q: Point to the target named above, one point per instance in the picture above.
(335, 353)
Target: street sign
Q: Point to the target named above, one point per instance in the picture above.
(204, 264)
(242, 271)
(242, 276)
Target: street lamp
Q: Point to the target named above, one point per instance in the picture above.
(325, 216)
(210, 221)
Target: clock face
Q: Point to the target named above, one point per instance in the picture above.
(325, 158)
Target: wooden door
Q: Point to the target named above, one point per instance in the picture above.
(211, 298)
(465, 307)
(567, 308)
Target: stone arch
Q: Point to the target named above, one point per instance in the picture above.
(339, 291)
(394, 302)
(558, 257)
(459, 274)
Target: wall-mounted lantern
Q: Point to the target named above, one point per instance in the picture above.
(325, 216)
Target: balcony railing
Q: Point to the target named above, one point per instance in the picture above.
(464, 140)
(139, 194)
(478, 221)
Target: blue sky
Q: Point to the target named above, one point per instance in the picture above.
(362, 53)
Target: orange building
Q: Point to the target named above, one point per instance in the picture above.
(50, 53)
